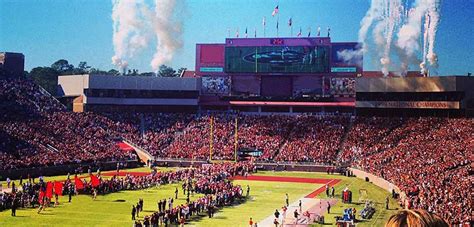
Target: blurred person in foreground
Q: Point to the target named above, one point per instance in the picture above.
(415, 218)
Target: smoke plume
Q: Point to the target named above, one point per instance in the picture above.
(396, 27)
(167, 28)
(135, 24)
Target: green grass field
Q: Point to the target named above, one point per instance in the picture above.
(114, 209)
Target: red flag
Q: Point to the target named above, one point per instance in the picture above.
(79, 183)
(94, 181)
(49, 190)
(58, 188)
(40, 197)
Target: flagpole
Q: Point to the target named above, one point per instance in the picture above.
(264, 25)
(278, 21)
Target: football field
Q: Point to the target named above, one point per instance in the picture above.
(265, 196)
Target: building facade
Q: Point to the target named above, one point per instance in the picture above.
(129, 93)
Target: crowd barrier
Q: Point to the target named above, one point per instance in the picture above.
(260, 165)
(378, 181)
(64, 169)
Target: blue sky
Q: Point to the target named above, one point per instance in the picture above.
(81, 30)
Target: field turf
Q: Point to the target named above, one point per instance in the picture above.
(114, 209)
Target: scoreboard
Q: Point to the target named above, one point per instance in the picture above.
(277, 58)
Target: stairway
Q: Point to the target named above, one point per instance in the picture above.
(344, 138)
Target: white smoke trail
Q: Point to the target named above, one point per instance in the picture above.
(129, 30)
(410, 32)
(397, 25)
(434, 20)
(426, 28)
(394, 11)
(134, 25)
(168, 30)
(355, 56)
(374, 12)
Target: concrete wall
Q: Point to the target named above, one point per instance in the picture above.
(144, 83)
(380, 182)
(72, 85)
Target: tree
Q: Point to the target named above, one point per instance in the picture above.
(46, 77)
(96, 71)
(62, 66)
(113, 72)
(83, 65)
(166, 71)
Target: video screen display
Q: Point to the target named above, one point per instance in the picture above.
(215, 85)
(271, 59)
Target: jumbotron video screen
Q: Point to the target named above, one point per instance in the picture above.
(271, 59)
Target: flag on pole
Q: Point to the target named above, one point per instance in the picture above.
(275, 11)
(299, 33)
(246, 34)
(255, 33)
(309, 32)
(42, 194)
(319, 31)
(58, 188)
(237, 33)
(49, 190)
(290, 22)
(264, 22)
(329, 31)
(79, 183)
(94, 181)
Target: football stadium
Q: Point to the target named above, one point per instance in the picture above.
(265, 129)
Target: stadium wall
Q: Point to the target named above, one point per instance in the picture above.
(64, 169)
(378, 181)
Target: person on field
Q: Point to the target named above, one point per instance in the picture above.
(277, 214)
(140, 201)
(137, 209)
(276, 222)
(296, 214)
(287, 200)
(250, 222)
(134, 211)
(14, 206)
(176, 193)
(70, 192)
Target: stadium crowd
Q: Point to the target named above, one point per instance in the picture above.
(432, 162)
(36, 131)
(430, 159)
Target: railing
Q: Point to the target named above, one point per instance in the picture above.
(45, 92)
(142, 153)
(64, 169)
(164, 159)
